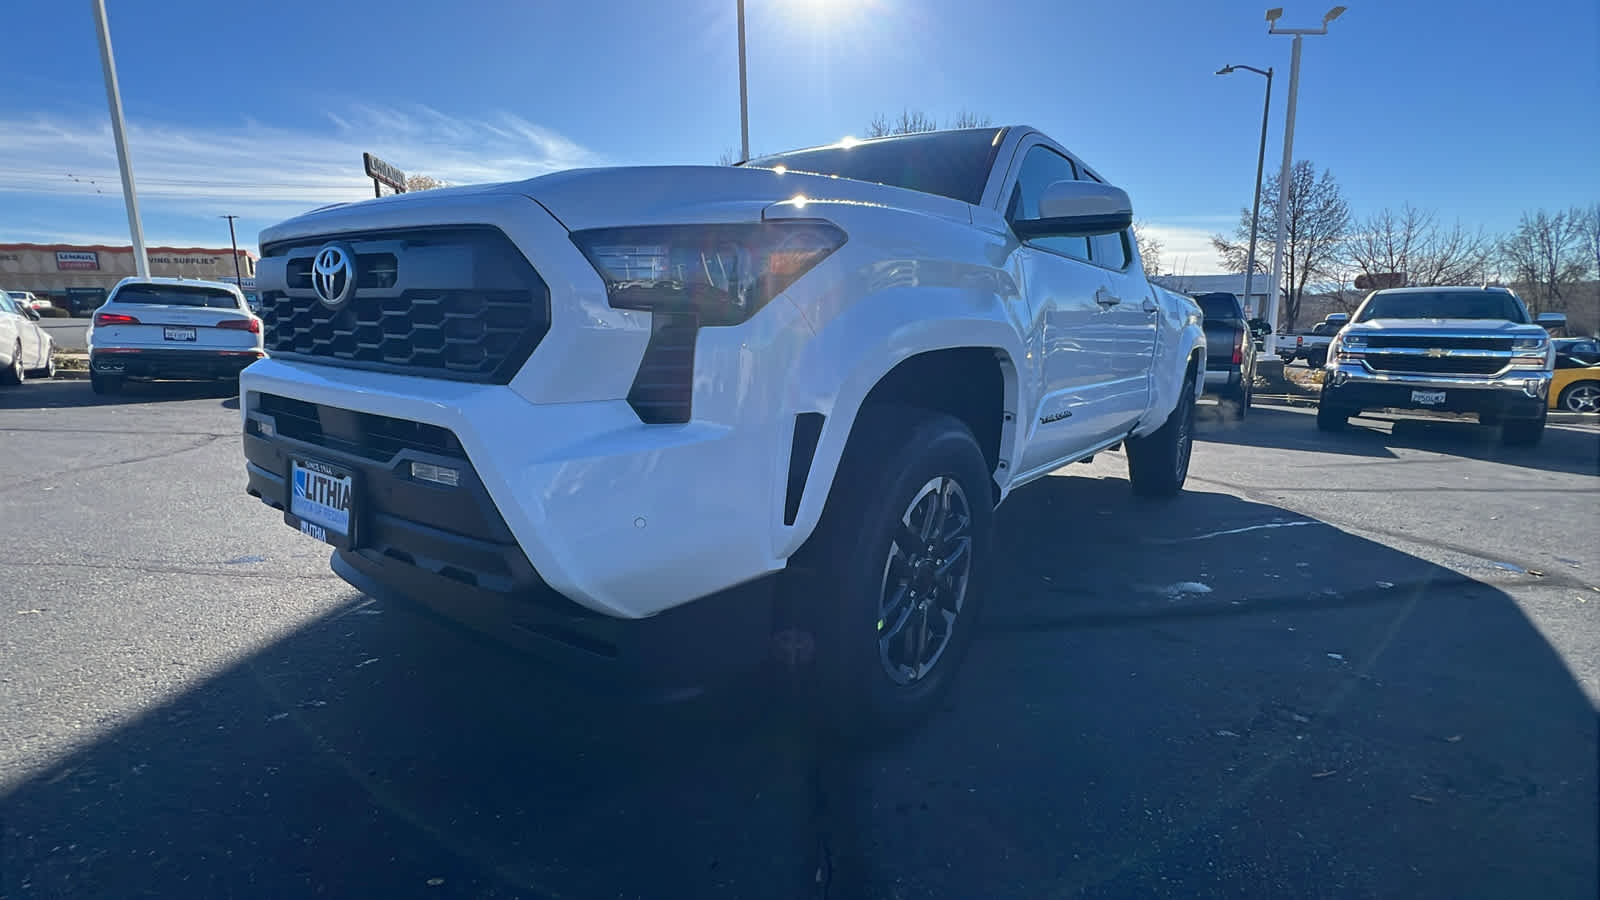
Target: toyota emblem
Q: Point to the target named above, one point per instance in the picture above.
(333, 275)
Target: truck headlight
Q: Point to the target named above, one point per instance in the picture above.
(1349, 347)
(1528, 345)
(723, 274)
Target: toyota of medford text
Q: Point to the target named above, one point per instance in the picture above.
(653, 422)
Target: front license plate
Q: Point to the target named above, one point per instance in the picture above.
(1427, 398)
(178, 334)
(321, 499)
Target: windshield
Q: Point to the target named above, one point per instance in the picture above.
(1218, 306)
(1472, 304)
(176, 295)
(952, 164)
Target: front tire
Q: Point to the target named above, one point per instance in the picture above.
(1158, 463)
(1581, 397)
(15, 373)
(1331, 418)
(899, 563)
(1523, 432)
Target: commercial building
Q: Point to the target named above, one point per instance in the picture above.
(78, 277)
(1254, 305)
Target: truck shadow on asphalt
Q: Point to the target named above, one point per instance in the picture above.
(1152, 708)
(75, 393)
(1565, 448)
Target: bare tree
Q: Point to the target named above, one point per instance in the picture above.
(1318, 220)
(1546, 257)
(423, 183)
(910, 121)
(1411, 245)
(965, 119)
(915, 121)
(1150, 248)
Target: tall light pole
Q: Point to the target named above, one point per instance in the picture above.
(1261, 159)
(1273, 15)
(238, 277)
(744, 97)
(130, 198)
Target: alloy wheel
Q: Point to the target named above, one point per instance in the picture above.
(925, 580)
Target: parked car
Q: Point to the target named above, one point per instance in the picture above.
(1312, 346)
(1575, 386)
(30, 300)
(1584, 350)
(26, 350)
(1230, 352)
(1457, 349)
(171, 328)
(601, 411)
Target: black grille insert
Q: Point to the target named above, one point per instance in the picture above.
(1441, 365)
(663, 387)
(373, 437)
(459, 303)
(1380, 341)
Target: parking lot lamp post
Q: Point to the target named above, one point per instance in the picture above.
(744, 96)
(1270, 344)
(130, 198)
(238, 277)
(1261, 159)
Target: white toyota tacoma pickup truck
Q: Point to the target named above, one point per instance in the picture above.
(596, 414)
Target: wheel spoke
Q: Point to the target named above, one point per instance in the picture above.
(955, 558)
(907, 542)
(890, 624)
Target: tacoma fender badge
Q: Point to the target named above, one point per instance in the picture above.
(1054, 417)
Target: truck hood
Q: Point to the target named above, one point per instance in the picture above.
(1484, 327)
(655, 195)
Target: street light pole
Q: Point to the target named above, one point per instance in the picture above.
(238, 277)
(130, 198)
(1270, 344)
(744, 97)
(1255, 212)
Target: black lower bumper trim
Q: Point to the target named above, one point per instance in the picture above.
(1502, 403)
(172, 363)
(689, 646)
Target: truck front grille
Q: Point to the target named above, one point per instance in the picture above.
(1441, 365)
(460, 303)
(1382, 341)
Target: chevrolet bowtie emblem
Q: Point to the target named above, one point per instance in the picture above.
(1436, 352)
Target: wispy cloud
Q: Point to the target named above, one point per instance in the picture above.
(270, 172)
(1185, 249)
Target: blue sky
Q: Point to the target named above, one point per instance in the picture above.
(1476, 110)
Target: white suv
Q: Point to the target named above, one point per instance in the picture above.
(592, 412)
(171, 328)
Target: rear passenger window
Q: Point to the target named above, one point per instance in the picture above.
(1041, 168)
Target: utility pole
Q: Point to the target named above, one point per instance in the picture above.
(238, 277)
(130, 198)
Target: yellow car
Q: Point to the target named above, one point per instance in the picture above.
(1575, 387)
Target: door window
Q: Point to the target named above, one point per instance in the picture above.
(1042, 167)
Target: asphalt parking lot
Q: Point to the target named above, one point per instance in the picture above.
(1346, 665)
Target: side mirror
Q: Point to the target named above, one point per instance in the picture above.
(33, 314)
(1078, 209)
(1552, 321)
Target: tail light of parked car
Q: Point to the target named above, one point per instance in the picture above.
(252, 325)
(114, 319)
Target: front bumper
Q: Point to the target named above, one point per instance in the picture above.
(142, 363)
(449, 549)
(1514, 394)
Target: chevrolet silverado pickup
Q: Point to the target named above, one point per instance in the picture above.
(1455, 349)
(665, 421)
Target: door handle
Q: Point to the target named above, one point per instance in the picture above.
(1150, 305)
(1105, 297)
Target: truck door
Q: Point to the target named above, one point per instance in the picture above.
(1072, 332)
(1133, 319)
